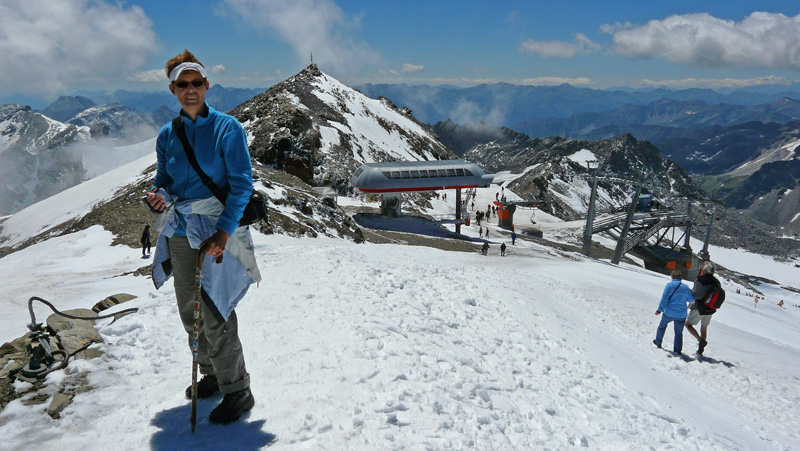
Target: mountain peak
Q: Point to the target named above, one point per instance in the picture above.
(66, 107)
(320, 130)
(312, 70)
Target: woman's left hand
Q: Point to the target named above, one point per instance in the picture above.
(215, 245)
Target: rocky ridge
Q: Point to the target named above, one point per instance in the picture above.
(550, 174)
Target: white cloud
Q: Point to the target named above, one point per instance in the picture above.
(150, 76)
(760, 40)
(46, 46)
(158, 75)
(585, 45)
(549, 49)
(717, 82)
(555, 81)
(310, 26)
(409, 68)
(559, 49)
(467, 112)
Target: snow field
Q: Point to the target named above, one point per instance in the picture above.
(397, 347)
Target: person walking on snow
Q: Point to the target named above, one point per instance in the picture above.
(194, 222)
(513, 237)
(673, 304)
(145, 240)
(699, 312)
(503, 250)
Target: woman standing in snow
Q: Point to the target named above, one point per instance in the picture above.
(194, 222)
(674, 301)
(145, 240)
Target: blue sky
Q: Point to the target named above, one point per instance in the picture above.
(49, 48)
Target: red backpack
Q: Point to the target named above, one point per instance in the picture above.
(715, 298)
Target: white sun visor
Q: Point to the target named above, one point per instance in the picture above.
(186, 66)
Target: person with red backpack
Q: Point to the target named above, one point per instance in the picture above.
(708, 297)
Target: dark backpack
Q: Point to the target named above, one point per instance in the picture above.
(715, 298)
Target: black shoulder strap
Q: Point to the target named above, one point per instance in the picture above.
(673, 291)
(180, 130)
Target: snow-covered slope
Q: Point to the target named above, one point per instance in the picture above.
(782, 151)
(74, 202)
(395, 347)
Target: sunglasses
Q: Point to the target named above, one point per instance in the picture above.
(185, 84)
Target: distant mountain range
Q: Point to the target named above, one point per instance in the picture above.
(503, 104)
(752, 166)
(218, 96)
(659, 119)
(316, 128)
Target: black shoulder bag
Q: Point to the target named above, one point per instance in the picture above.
(256, 209)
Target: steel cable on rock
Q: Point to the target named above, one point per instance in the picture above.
(67, 355)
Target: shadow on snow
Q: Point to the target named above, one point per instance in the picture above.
(175, 431)
(702, 358)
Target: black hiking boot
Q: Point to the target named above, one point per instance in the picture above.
(232, 407)
(658, 345)
(702, 347)
(206, 387)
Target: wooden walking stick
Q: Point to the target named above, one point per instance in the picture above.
(198, 278)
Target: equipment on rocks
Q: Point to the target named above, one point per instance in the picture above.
(43, 358)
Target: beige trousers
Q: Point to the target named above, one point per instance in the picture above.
(219, 348)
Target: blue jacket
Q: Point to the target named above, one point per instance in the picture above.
(220, 145)
(675, 299)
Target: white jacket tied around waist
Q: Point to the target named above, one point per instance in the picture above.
(225, 283)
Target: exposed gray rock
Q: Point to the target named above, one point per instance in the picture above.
(75, 333)
(60, 402)
(114, 299)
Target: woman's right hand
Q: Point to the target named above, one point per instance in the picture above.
(156, 201)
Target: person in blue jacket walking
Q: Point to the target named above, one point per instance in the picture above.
(194, 222)
(674, 302)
